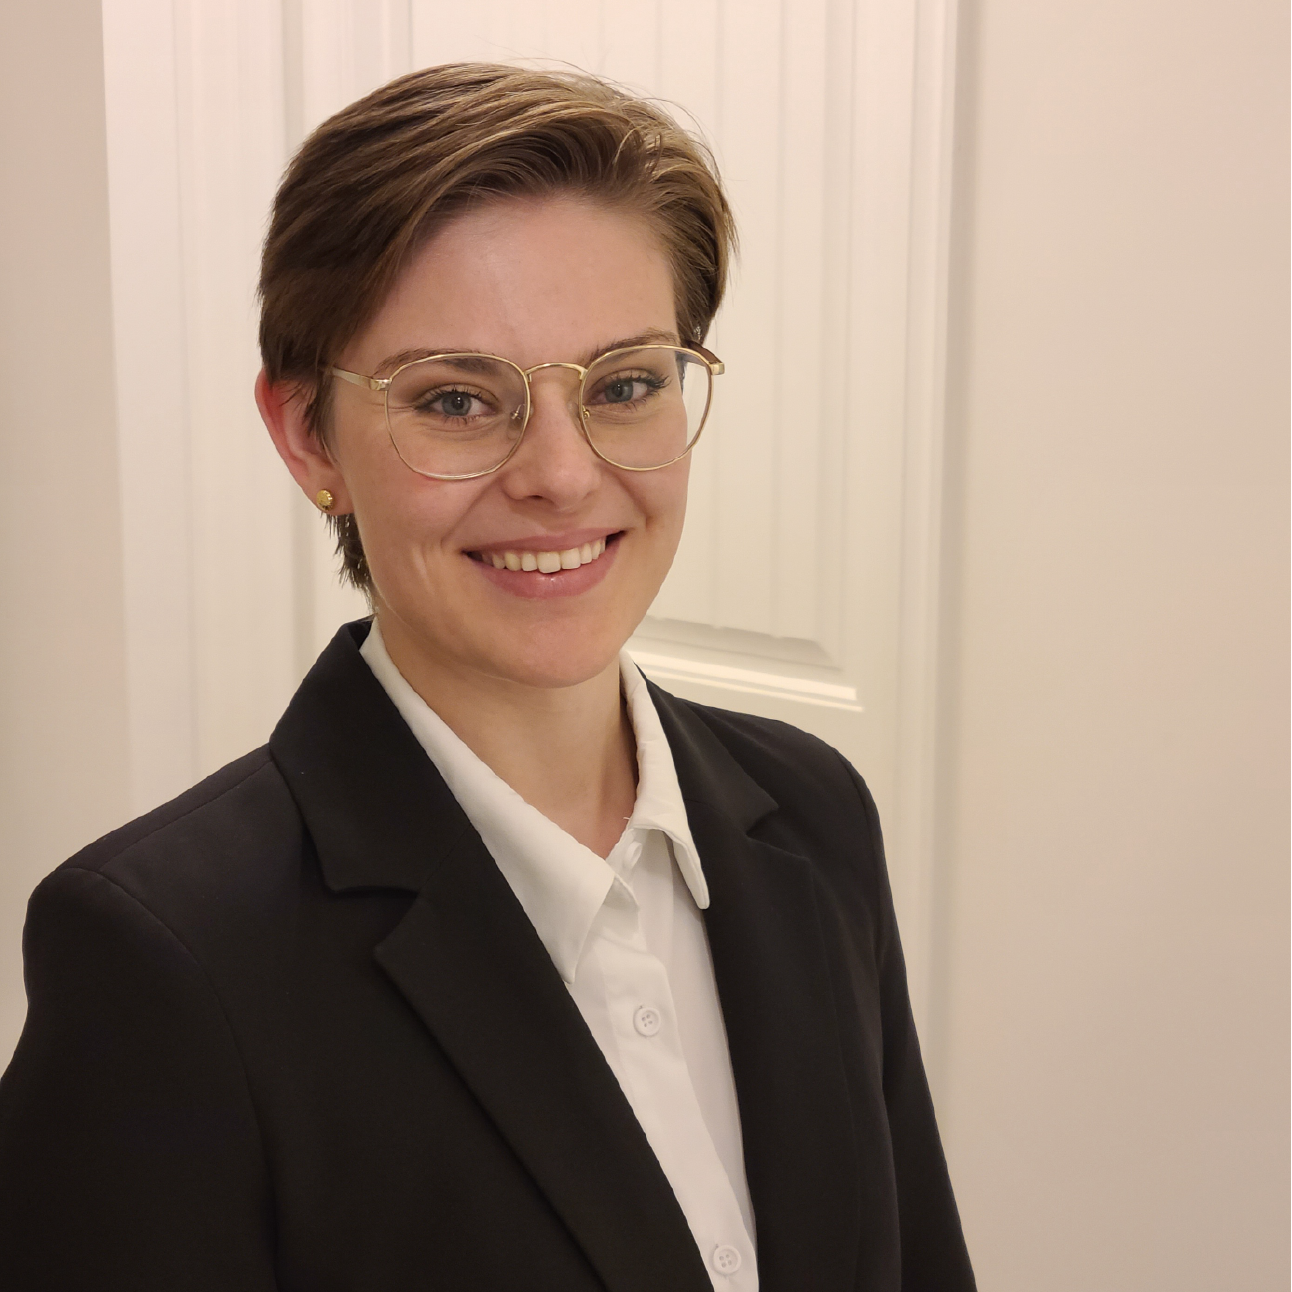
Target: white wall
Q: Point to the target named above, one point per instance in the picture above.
(1113, 1074)
(62, 661)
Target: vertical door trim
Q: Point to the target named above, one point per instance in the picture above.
(150, 360)
(922, 503)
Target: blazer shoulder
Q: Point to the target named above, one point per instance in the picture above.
(233, 830)
(823, 808)
(786, 761)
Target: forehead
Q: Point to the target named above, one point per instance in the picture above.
(531, 280)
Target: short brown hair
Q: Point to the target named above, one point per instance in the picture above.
(372, 183)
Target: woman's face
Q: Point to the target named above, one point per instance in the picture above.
(533, 282)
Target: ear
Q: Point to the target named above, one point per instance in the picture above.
(282, 406)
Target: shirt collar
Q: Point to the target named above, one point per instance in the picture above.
(560, 883)
(659, 803)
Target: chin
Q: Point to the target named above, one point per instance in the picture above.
(556, 662)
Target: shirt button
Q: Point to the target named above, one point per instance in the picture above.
(646, 1020)
(726, 1259)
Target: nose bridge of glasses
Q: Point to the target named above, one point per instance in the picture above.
(538, 367)
(573, 395)
(569, 396)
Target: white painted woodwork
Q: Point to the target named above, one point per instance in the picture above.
(195, 147)
(806, 584)
(152, 395)
(336, 52)
(230, 102)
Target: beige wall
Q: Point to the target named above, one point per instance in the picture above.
(62, 670)
(1113, 1074)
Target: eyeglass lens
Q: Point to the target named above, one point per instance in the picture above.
(461, 414)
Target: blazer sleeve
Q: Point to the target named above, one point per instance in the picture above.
(933, 1252)
(130, 1156)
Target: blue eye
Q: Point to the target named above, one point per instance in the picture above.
(626, 389)
(453, 403)
(620, 391)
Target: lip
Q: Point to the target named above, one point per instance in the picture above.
(546, 542)
(536, 586)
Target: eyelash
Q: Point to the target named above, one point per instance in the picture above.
(651, 381)
(647, 379)
(433, 397)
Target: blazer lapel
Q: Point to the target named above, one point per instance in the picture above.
(471, 965)
(773, 979)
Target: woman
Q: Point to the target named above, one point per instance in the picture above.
(497, 967)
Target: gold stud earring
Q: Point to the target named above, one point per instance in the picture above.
(323, 500)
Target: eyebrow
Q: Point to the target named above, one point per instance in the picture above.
(652, 336)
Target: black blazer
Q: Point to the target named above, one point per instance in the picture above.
(293, 1031)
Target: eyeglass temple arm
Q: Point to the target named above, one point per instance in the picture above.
(356, 379)
(716, 366)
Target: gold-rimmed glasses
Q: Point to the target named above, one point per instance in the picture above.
(456, 416)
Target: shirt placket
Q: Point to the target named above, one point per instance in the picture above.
(657, 1083)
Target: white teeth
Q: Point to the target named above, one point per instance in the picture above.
(547, 562)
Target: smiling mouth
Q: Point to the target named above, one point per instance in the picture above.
(545, 562)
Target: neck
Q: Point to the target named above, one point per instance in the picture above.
(567, 751)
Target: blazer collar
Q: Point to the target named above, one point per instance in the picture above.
(706, 772)
(379, 813)
(354, 767)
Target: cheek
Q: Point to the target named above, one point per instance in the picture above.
(400, 512)
(661, 495)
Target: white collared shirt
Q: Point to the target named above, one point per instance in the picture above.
(626, 935)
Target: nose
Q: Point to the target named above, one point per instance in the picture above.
(554, 461)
